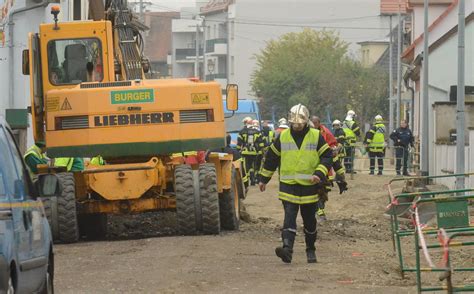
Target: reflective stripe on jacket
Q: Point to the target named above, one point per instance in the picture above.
(299, 164)
(35, 151)
(377, 141)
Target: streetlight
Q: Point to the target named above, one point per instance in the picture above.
(211, 64)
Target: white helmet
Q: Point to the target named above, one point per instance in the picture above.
(336, 122)
(351, 113)
(247, 119)
(255, 123)
(282, 121)
(299, 114)
(378, 117)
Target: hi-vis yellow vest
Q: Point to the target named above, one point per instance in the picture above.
(378, 141)
(297, 166)
(64, 162)
(350, 136)
(35, 151)
(98, 160)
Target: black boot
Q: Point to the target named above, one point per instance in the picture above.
(310, 239)
(286, 251)
(311, 255)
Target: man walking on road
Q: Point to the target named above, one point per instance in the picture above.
(376, 144)
(303, 158)
(249, 143)
(402, 139)
(352, 131)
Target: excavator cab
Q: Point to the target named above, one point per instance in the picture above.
(90, 97)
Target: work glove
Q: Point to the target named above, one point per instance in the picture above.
(342, 187)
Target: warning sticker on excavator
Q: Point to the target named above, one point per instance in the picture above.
(66, 105)
(132, 96)
(52, 104)
(200, 98)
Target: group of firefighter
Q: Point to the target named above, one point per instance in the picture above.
(309, 159)
(308, 156)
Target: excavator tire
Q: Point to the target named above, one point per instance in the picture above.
(185, 207)
(229, 206)
(209, 199)
(68, 229)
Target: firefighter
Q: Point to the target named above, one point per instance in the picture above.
(303, 158)
(376, 144)
(402, 139)
(268, 134)
(352, 131)
(250, 144)
(282, 125)
(35, 156)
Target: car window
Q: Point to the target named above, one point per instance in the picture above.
(7, 167)
(21, 168)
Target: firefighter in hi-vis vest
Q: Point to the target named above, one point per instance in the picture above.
(303, 158)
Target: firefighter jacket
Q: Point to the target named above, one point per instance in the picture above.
(376, 138)
(352, 131)
(299, 156)
(268, 136)
(328, 136)
(250, 141)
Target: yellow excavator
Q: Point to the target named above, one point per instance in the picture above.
(90, 97)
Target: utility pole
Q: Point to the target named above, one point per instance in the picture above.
(399, 65)
(426, 108)
(196, 62)
(390, 81)
(204, 49)
(460, 123)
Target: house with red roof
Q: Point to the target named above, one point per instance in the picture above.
(442, 79)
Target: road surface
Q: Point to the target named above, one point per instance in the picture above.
(143, 254)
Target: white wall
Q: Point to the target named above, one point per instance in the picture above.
(445, 159)
(418, 18)
(450, 21)
(443, 61)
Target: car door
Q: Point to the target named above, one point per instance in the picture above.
(26, 212)
(21, 233)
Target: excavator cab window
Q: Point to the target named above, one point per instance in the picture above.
(75, 61)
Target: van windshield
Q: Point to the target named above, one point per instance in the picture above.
(234, 124)
(75, 61)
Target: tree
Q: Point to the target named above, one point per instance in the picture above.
(313, 68)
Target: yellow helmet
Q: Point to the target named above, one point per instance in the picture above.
(299, 114)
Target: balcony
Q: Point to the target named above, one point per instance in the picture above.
(216, 46)
(220, 78)
(187, 54)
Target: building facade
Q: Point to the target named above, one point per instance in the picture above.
(442, 73)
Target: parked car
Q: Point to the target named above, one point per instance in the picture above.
(26, 245)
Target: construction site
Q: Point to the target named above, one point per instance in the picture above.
(154, 149)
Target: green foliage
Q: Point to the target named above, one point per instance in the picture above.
(313, 68)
